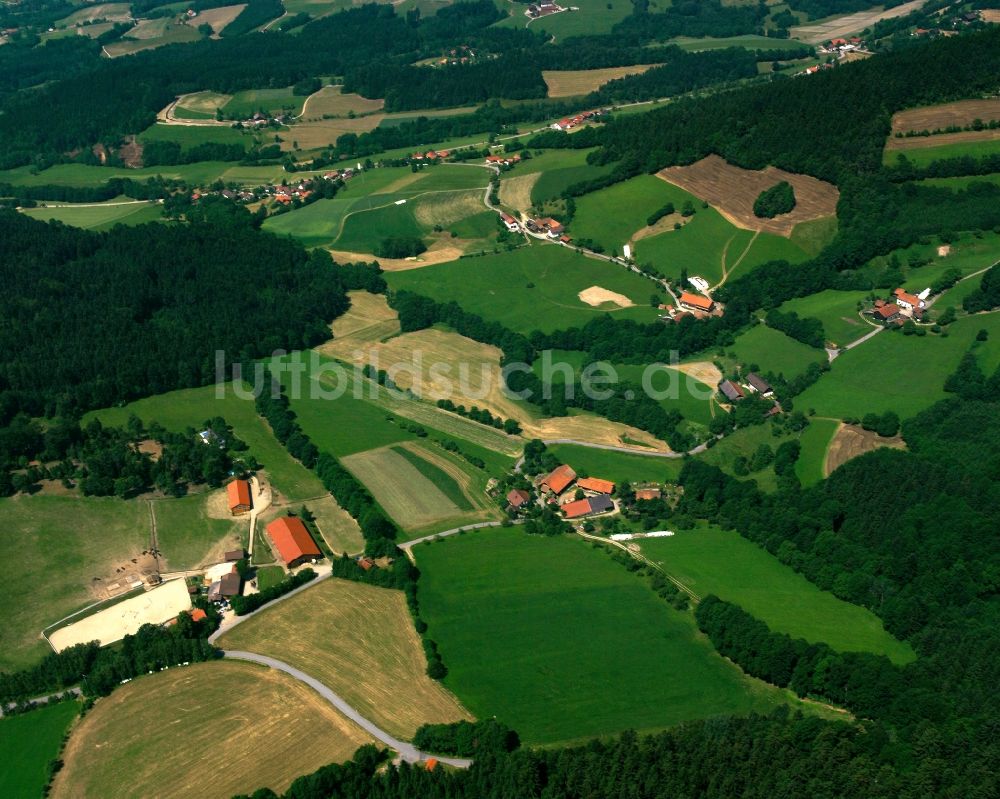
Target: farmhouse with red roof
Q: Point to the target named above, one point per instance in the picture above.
(292, 541)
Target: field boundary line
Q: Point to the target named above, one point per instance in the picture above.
(636, 555)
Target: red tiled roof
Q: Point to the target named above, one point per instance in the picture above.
(239, 494)
(596, 484)
(292, 539)
(575, 510)
(905, 296)
(696, 301)
(559, 479)
(647, 493)
(887, 311)
(198, 614)
(517, 497)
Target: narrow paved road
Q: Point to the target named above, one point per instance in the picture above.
(406, 750)
(42, 700)
(406, 545)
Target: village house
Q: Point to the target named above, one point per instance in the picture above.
(886, 312)
(759, 385)
(509, 222)
(292, 542)
(646, 494)
(517, 498)
(596, 484)
(909, 304)
(558, 480)
(731, 391)
(240, 502)
(697, 302)
(504, 160)
(588, 506)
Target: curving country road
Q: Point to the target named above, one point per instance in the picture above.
(406, 750)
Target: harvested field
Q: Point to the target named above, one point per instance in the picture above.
(331, 101)
(990, 15)
(368, 321)
(516, 192)
(410, 497)
(438, 253)
(815, 33)
(125, 618)
(963, 112)
(320, 133)
(922, 142)
(111, 12)
(662, 225)
(233, 726)
(358, 640)
(733, 190)
(474, 379)
(447, 208)
(703, 371)
(218, 18)
(571, 83)
(850, 441)
(596, 297)
(339, 529)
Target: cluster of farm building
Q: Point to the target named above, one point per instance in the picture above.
(752, 383)
(901, 307)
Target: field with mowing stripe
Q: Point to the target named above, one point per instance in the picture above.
(837, 310)
(178, 410)
(948, 145)
(714, 561)
(100, 216)
(423, 491)
(572, 83)
(236, 721)
(531, 288)
(772, 351)
(60, 544)
(934, 117)
(815, 440)
(562, 643)
(855, 386)
(619, 467)
(249, 101)
(27, 743)
(359, 640)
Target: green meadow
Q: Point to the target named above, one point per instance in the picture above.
(187, 534)
(557, 640)
(102, 216)
(905, 374)
(619, 467)
(249, 101)
(532, 288)
(744, 442)
(28, 743)
(59, 545)
(750, 41)
(189, 136)
(922, 156)
(178, 410)
(772, 351)
(721, 562)
(440, 479)
(837, 310)
(592, 17)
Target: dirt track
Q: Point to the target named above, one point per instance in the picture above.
(733, 190)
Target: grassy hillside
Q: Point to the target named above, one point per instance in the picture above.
(562, 643)
(713, 561)
(27, 744)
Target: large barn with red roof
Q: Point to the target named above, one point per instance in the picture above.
(292, 541)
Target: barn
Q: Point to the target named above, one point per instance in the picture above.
(291, 541)
(239, 497)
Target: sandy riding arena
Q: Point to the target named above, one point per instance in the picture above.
(125, 618)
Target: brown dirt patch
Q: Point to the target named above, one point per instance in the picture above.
(920, 142)
(595, 296)
(233, 726)
(963, 112)
(703, 371)
(152, 448)
(664, 225)
(571, 83)
(990, 15)
(437, 253)
(369, 319)
(733, 191)
(331, 101)
(850, 441)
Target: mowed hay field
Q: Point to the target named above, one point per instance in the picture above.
(101, 216)
(720, 562)
(52, 548)
(772, 351)
(570, 83)
(733, 191)
(234, 726)
(368, 321)
(562, 643)
(359, 641)
(933, 117)
(851, 441)
(422, 489)
(532, 288)
(331, 101)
